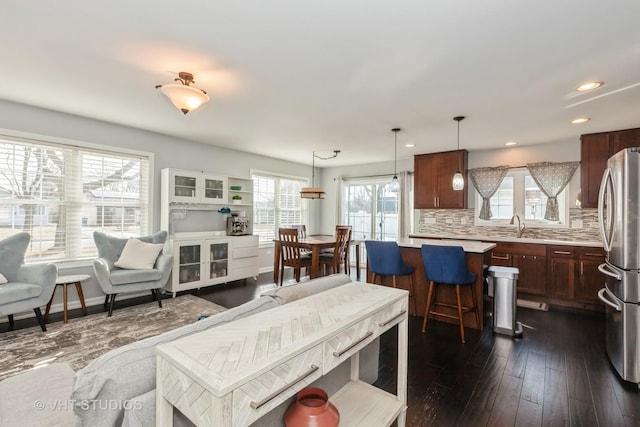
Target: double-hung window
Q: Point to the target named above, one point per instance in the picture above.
(519, 194)
(60, 194)
(277, 203)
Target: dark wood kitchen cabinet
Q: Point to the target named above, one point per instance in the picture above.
(529, 259)
(561, 271)
(561, 275)
(595, 150)
(433, 174)
(590, 280)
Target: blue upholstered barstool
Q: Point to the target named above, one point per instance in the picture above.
(447, 265)
(384, 259)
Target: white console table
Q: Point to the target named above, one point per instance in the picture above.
(235, 373)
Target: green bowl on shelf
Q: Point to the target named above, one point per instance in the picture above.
(236, 187)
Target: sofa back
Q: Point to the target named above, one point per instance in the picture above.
(286, 294)
(126, 373)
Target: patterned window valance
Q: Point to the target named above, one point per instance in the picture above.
(552, 178)
(487, 181)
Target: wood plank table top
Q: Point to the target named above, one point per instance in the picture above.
(230, 354)
(234, 373)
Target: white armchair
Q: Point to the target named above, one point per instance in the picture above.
(28, 287)
(114, 280)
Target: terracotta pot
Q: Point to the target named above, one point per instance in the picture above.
(312, 409)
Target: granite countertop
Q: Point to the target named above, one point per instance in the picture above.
(512, 239)
(467, 245)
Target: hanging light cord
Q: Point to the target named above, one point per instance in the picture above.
(313, 163)
(313, 167)
(458, 134)
(395, 153)
(335, 154)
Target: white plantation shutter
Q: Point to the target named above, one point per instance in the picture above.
(60, 194)
(277, 203)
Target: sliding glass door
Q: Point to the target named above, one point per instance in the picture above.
(372, 209)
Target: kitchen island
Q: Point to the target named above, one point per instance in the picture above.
(478, 255)
(559, 272)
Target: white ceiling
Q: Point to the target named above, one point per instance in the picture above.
(287, 77)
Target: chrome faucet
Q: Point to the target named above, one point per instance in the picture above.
(521, 225)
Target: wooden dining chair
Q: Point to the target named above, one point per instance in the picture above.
(329, 251)
(302, 230)
(290, 253)
(340, 253)
(302, 234)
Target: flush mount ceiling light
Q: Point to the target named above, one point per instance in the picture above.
(587, 86)
(395, 184)
(409, 145)
(315, 192)
(458, 179)
(580, 120)
(510, 143)
(184, 96)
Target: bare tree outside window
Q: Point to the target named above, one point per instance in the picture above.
(57, 195)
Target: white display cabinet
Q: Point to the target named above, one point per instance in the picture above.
(190, 211)
(211, 261)
(240, 188)
(244, 257)
(195, 187)
(184, 192)
(199, 263)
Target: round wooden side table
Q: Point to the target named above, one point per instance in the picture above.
(64, 281)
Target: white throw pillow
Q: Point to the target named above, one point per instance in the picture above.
(3, 279)
(138, 254)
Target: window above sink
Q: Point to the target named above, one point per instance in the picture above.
(519, 194)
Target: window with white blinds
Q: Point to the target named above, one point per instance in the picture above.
(277, 203)
(61, 194)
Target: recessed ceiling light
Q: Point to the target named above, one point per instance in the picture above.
(409, 145)
(510, 143)
(585, 87)
(580, 120)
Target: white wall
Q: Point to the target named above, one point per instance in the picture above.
(169, 152)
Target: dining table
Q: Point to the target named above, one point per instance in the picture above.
(315, 244)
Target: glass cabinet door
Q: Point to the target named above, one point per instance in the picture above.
(189, 263)
(213, 188)
(218, 260)
(184, 188)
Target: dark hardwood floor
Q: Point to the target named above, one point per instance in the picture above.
(556, 374)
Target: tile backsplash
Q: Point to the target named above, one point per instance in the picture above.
(461, 222)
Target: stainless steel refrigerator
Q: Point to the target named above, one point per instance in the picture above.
(619, 216)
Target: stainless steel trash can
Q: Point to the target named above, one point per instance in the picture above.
(503, 282)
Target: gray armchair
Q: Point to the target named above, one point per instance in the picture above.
(29, 286)
(114, 280)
